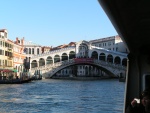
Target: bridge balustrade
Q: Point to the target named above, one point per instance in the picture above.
(53, 68)
(110, 64)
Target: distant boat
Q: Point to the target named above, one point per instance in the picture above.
(15, 81)
(6, 77)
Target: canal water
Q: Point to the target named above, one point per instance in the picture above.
(63, 96)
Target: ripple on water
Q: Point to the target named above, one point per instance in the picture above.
(63, 96)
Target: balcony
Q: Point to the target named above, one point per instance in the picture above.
(9, 49)
(10, 57)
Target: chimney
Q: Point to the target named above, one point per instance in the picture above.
(22, 41)
(16, 40)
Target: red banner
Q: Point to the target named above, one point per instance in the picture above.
(83, 60)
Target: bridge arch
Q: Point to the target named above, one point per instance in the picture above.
(56, 58)
(72, 55)
(59, 56)
(94, 55)
(34, 64)
(49, 60)
(117, 60)
(41, 62)
(110, 74)
(64, 56)
(110, 58)
(102, 56)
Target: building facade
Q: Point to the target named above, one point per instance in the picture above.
(6, 51)
(113, 43)
(31, 49)
(18, 55)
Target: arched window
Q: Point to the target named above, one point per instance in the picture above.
(29, 50)
(94, 55)
(64, 57)
(102, 56)
(32, 50)
(38, 51)
(117, 60)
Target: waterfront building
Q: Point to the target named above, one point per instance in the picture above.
(18, 55)
(6, 51)
(113, 43)
(30, 49)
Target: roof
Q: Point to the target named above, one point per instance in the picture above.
(3, 30)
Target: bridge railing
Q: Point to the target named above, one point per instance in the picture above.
(54, 67)
(104, 63)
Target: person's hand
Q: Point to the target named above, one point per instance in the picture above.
(133, 103)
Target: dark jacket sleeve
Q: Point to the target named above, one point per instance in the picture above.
(131, 109)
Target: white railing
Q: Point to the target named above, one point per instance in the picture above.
(53, 68)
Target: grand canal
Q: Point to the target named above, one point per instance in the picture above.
(63, 96)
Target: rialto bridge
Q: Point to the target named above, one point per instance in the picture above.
(75, 61)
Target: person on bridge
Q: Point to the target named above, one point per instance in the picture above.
(143, 107)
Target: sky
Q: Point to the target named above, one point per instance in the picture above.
(55, 22)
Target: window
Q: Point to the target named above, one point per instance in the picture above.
(38, 51)
(0, 42)
(5, 35)
(5, 62)
(116, 48)
(32, 50)
(109, 43)
(26, 50)
(1, 52)
(29, 50)
(80, 67)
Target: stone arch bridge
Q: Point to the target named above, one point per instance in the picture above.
(113, 70)
(112, 62)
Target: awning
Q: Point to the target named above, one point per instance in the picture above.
(14, 70)
(8, 70)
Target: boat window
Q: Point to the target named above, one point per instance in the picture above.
(146, 81)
